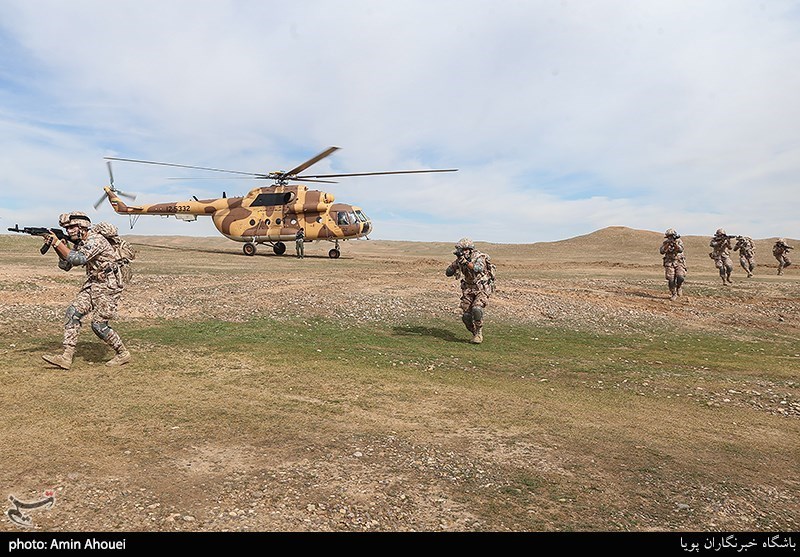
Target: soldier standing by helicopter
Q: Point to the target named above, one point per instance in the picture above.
(299, 241)
(101, 290)
(477, 285)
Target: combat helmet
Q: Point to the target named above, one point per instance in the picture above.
(465, 243)
(720, 232)
(78, 218)
(781, 240)
(670, 232)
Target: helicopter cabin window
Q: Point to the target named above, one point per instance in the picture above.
(271, 199)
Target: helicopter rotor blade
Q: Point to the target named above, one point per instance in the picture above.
(376, 173)
(309, 162)
(188, 166)
(110, 174)
(99, 201)
(131, 196)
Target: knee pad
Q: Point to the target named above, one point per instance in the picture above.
(467, 319)
(72, 317)
(101, 329)
(477, 314)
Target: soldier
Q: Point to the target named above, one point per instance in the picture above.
(101, 290)
(781, 252)
(747, 254)
(299, 240)
(720, 253)
(674, 262)
(477, 285)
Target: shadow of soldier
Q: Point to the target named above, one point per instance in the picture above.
(94, 352)
(418, 330)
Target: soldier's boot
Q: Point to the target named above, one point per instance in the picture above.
(478, 336)
(64, 361)
(673, 294)
(122, 357)
(780, 270)
(679, 291)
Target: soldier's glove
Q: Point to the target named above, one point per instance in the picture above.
(49, 238)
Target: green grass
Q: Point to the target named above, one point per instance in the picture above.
(611, 414)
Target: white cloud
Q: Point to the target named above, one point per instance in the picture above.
(562, 116)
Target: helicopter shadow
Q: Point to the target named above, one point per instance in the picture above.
(420, 331)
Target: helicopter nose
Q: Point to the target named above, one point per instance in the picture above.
(366, 227)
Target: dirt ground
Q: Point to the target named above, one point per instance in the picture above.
(609, 281)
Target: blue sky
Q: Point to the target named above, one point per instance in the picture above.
(562, 116)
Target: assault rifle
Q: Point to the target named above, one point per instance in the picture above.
(41, 231)
(462, 257)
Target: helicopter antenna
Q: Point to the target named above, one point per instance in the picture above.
(130, 196)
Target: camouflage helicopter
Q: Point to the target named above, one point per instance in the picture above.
(266, 215)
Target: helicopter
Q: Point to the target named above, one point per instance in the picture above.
(268, 215)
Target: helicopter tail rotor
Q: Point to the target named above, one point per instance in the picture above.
(131, 196)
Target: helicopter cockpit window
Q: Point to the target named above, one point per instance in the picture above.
(361, 216)
(341, 218)
(352, 217)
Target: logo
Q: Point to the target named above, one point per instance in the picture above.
(17, 514)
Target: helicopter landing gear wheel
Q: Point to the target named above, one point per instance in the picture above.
(249, 249)
(334, 253)
(279, 248)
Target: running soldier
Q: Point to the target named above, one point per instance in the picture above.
(674, 262)
(747, 254)
(721, 254)
(477, 285)
(781, 252)
(101, 290)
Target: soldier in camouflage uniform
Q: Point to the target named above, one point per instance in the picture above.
(299, 242)
(747, 254)
(674, 262)
(101, 290)
(781, 252)
(477, 285)
(721, 254)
